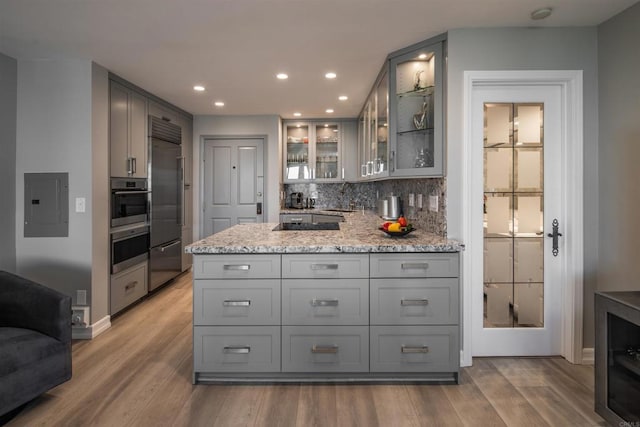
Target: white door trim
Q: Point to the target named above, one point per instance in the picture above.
(570, 83)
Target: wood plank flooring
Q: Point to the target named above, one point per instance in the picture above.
(139, 373)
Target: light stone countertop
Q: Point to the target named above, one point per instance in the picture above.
(358, 233)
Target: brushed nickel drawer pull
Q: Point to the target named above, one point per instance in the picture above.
(415, 349)
(324, 266)
(415, 265)
(237, 349)
(414, 301)
(294, 219)
(332, 302)
(324, 349)
(237, 267)
(131, 285)
(237, 303)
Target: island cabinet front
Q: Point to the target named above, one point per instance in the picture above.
(325, 317)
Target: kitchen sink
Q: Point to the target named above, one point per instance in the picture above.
(307, 226)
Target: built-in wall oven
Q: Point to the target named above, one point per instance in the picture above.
(129, 246)
(129, 201)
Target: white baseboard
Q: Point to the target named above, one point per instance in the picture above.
(91, 331)
(588, 356)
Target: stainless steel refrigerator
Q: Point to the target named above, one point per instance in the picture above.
(167, 175)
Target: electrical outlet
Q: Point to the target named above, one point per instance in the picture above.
(412, 199)
(81, 204)
(433, 203)
(81, 297)
(79, 316)
(419, 201)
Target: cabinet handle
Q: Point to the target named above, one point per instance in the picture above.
(415, 301)
(134, 165)
(392, 160)
(242, 267)
(324, 266)
(237, 349)
(237, 303)
(415, 265)
(415, 349)
(324, 349)
(129, 166)
(332, 302)
(296, 219)
(363, 170)
(131, 285)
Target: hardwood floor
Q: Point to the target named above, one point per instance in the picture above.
(138, 373)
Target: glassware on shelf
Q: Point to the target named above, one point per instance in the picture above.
(421, 158)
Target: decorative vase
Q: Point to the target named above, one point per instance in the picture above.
(420, 118)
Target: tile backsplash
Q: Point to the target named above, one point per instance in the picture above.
(366, 194)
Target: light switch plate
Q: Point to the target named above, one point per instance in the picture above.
(81, 204)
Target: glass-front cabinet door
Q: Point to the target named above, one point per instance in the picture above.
(373, 132)
(312, 151)
(416, 128)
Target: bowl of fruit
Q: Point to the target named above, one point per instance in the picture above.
(397, 228)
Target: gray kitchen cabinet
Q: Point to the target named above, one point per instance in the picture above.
(415, 313)
(127, 132)
(401, 125)
(127, 287)
(326, 317)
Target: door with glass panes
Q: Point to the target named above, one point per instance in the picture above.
(517, 301)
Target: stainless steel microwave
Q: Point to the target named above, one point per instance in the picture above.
(129, 201)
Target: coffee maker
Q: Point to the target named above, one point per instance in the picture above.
(296, 200)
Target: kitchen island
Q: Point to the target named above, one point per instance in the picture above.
(334, 305)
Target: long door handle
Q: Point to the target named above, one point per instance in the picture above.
(554, 235)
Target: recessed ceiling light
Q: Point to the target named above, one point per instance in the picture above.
(297, 114)
(541, 13)
(219, 104)
(343, 97)
(331, 75)
(198, 88)
(329, 110)
(422, 56)
(282, 76)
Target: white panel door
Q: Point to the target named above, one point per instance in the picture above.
(233, 181)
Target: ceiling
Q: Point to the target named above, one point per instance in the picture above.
(236, 47)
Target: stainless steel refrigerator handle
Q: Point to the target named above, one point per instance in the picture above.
(163, 248)
(181, 209)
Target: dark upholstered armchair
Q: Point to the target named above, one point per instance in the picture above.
(35, 340)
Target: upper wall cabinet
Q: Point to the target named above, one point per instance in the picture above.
(312, 151)
(127, 132)
(401, 132)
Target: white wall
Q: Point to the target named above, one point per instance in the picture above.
(619, 159)
(54, 135)
(267, 126)
(8, 88)
(528, 49)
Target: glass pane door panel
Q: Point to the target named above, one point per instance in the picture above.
(528, 260)
(529, 172)
(497, 306)
(415, 150)
(327, 150)
(513, 215)
(528, 216)
(498, 169)
(383, 115)
(528, 124)
(498, 124)
(498, 215)
(498, 261)
(298, 152)
(528, 309)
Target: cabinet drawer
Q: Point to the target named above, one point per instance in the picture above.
(334, 266)
(236, 267)
(414, 301)
(415, 265)
(325, 302)
(236, 349)
(236, 302)
(128, 286)
(296, 218)
(325, 349)
(415, 349)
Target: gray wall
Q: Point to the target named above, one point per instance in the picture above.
(243, 126)
(535, 49)
(8, 99)
(619, 151)
(54, 135)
